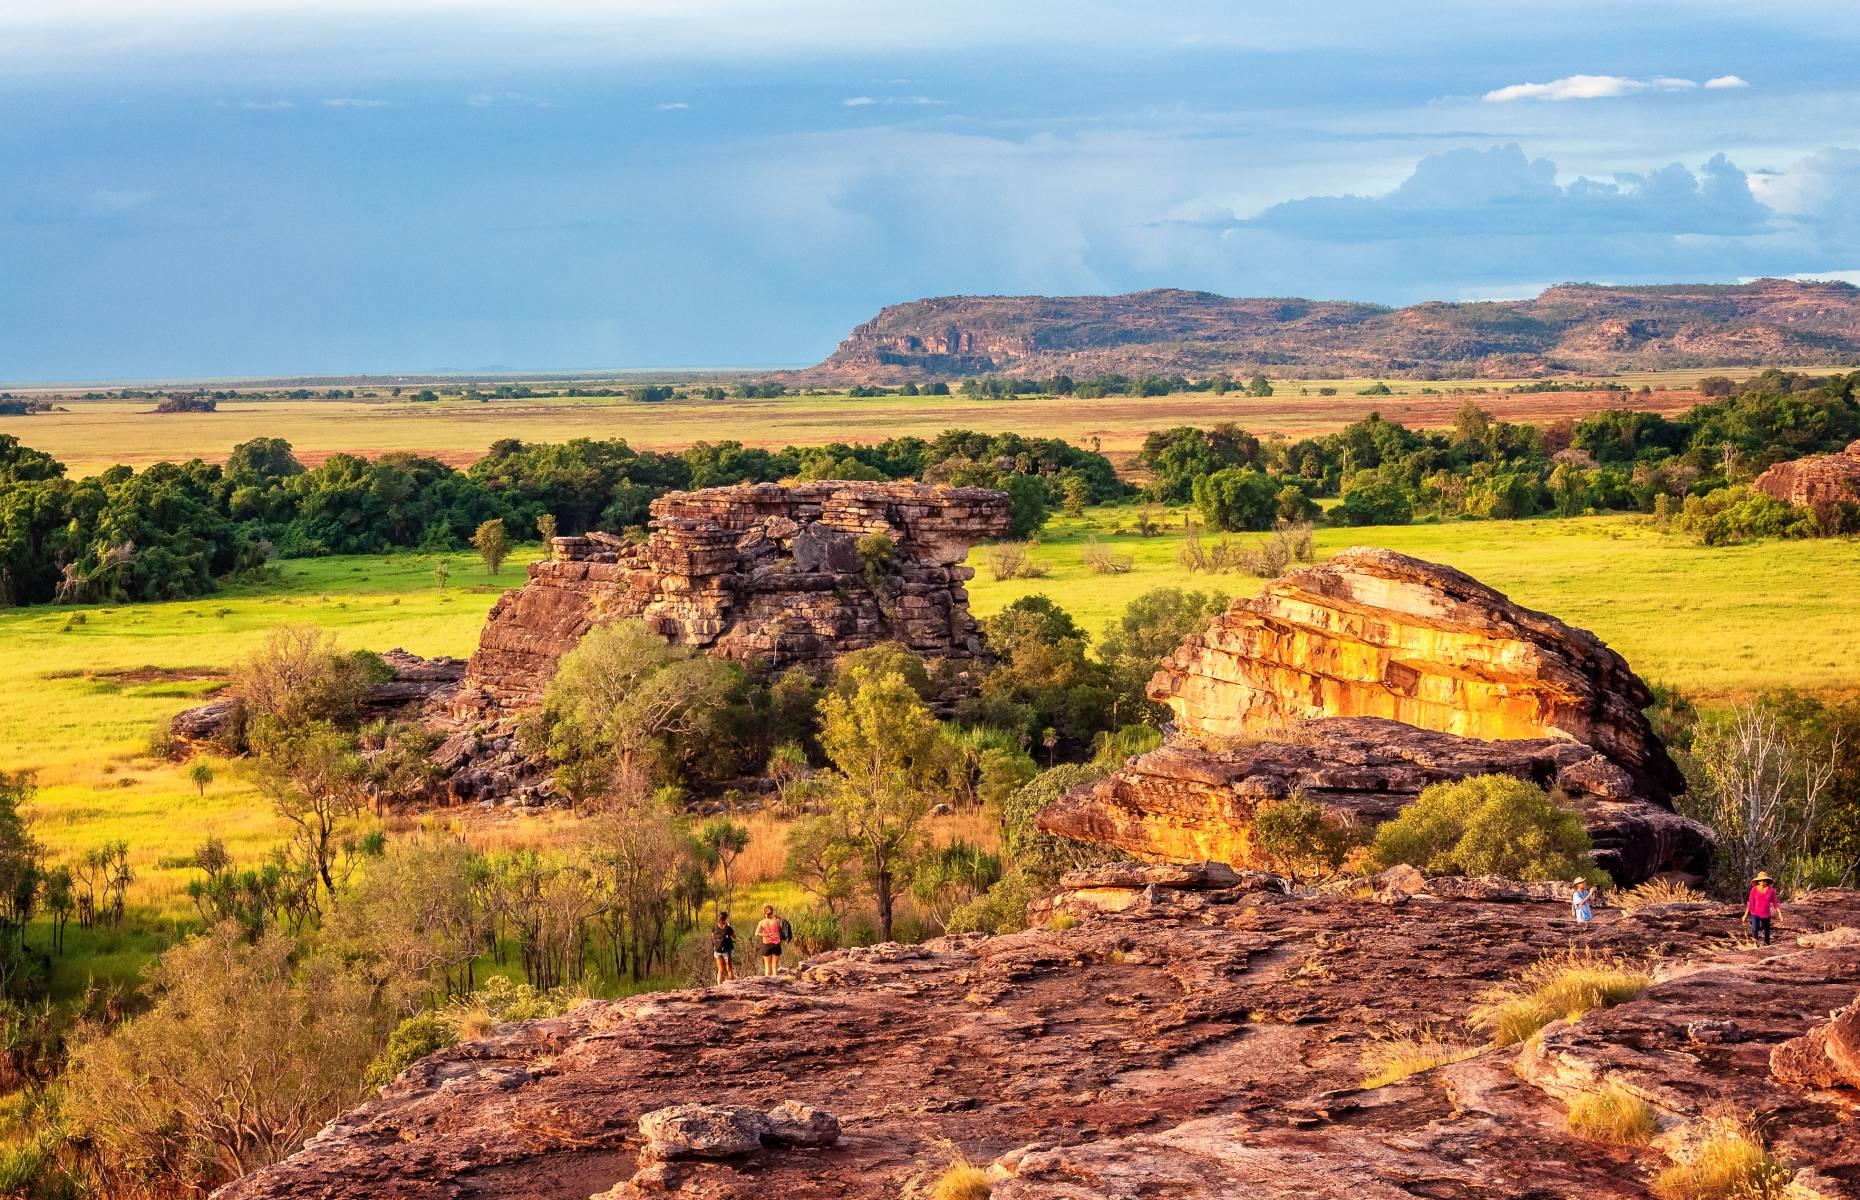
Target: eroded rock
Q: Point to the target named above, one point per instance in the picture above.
(1190, 1052)
(1826, 1056)
(1815, 480)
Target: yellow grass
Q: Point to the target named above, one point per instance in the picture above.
(1614, 1115)
(1658, 891)
(962, 1181)
(1561, 986)
(95, 434)
(1397, 1058)
(1731, 1163)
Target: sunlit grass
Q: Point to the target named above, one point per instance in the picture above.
(1614, 1115)
(1715, 621)
(1730, 1163)
(1559, 987)
(1397, 1058)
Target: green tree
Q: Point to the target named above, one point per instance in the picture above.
(1259, 386)
(1076, 494)
(1237, 498)
(200, 775)
(883, 744)
(1487, 825)
(493, 545)
(1149, 629)
(723, 842)
(1027, 505)
(545, 528)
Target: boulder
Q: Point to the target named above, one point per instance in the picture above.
(1373, 633)
(1827, 1056)
(701, 1131)
(1817, 479)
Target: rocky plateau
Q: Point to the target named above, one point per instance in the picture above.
(1195, 1034)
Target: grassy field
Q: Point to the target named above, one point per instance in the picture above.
(95, 434)
(1717, 621)
(81, 688)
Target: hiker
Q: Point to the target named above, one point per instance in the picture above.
(772, 931)
(1582, 902)
(723, 947)
(1763, 907)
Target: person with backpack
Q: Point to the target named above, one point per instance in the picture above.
(773, 932)
(723, 946)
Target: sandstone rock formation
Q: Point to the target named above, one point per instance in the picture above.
(1190, 802)
(756, 572)
(1817, 479)
(1203, 1042)
(1361, 681)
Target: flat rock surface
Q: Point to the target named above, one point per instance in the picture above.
(1208, 1046)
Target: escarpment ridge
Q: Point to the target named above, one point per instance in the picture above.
(1200, 1037)
(1359, 682)
(1572, 328)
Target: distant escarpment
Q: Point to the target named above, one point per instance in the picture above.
(1360, 682)
(1575, 328)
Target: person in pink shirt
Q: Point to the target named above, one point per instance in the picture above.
(1763, 907)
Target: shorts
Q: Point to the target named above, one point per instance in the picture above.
(771, 949)
(721, 956)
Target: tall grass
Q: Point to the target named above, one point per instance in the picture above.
(1614, 1115)
(1386, 1062)
(1658, 891)
(1731, 1163)
(1561, 986)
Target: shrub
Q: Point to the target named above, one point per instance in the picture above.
(1102, 560)
(1731, 1163)
(877, 553)
(1386, 1062)
(1000, 909)
(1614, 1115)
(1010, 560)
(1487, 825)
(1298, 839)
(1562, 986)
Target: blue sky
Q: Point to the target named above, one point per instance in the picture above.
(237, 187)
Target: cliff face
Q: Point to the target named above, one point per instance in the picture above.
(1817, 479)
(1574, 328)
(1203, 1040)
(755, 572)
(1357, 684)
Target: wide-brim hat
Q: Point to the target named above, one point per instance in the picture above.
(1762, 877)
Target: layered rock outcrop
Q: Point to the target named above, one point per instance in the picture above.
(1817, 479)
(1205, 1041)
(765, 573)
(1358, 683)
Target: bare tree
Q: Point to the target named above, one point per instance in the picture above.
(1764, 787)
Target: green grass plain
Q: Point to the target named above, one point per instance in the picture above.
(95, 434)
(79, 700)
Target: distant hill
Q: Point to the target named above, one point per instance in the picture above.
(1570, 329)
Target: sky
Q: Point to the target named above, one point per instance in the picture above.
(235, 188)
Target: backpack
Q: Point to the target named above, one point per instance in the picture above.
(787, 930)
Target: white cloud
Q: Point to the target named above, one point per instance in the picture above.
(671, 106)
(489, 99)
(916, 101)
(1727, 81)
(1590, 87)
(354, 102)
(267, 105)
